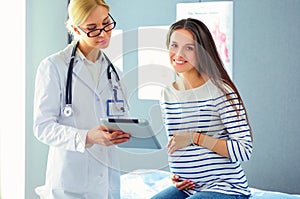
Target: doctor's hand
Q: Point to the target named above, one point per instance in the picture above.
(101, 135)
(182, 184)
(179, 141)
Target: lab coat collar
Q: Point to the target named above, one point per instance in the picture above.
(79, 54)
(79, 69)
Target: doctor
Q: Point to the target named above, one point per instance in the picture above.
(68, 103)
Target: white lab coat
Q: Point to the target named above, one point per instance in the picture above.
(86, 173)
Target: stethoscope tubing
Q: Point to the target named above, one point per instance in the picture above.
(68, 107)
(111, 66)
(69, 76)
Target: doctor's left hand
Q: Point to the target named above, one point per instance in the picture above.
(101, 135)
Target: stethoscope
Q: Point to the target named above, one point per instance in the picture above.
(68, 110)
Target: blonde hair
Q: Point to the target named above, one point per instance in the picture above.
(79, 10)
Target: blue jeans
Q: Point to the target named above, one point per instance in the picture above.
(173, 193)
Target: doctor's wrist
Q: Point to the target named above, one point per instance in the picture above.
(80, 140)
(88, 145)
(88, 141)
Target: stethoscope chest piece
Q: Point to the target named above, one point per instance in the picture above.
(68, 111)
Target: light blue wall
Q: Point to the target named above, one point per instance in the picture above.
(266, 71)
(45, 34)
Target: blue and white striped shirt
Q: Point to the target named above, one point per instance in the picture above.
(206, 109)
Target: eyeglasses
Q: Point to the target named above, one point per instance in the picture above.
(97, 32)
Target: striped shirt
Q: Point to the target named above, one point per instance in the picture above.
(206, 109)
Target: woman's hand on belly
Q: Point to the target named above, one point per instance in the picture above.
(179, 141)
(182, 184)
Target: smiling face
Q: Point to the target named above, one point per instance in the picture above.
(182, 51)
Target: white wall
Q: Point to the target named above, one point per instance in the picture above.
(12, 104)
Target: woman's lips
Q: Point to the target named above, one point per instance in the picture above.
(179, 62)
(102, 42)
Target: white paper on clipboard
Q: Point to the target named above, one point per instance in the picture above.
(142, 135)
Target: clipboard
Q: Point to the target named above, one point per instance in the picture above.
(142, 135)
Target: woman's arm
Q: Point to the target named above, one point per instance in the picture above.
(233, 115)
(216, 145)
(238, 145)
(182, 140)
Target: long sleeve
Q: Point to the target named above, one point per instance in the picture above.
(47, 105)
(206, 109)
(234, 119)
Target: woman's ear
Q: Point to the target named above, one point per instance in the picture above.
(75, 30)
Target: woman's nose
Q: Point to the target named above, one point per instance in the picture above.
(179, 52)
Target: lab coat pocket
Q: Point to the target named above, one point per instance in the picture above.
(73, 175)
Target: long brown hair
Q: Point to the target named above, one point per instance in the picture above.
(208, 59)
